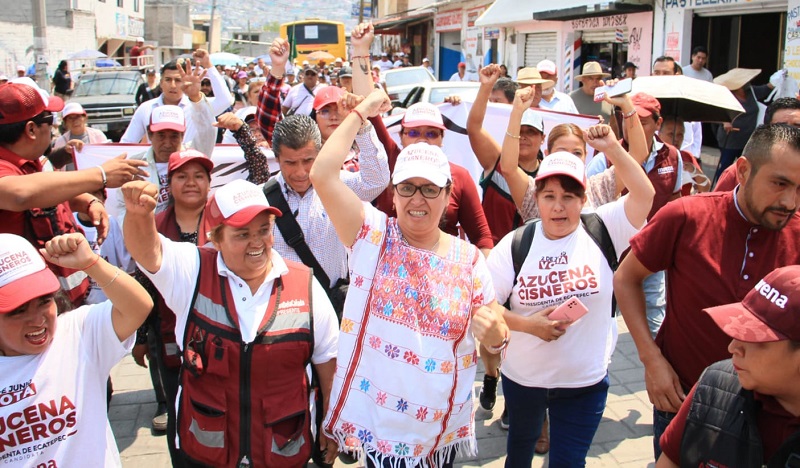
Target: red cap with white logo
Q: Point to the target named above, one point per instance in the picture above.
(769, 312)
(180, 158)
(236, 204)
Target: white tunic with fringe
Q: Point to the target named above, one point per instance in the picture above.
(407, 358)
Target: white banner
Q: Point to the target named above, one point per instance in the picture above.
(229, 161)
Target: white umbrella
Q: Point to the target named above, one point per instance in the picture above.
(87, 54)
(691, 99)
(225, 58)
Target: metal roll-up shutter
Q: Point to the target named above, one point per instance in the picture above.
(601, 36)
(540, 46)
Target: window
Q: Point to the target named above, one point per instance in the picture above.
(120, 3)
(135, 5)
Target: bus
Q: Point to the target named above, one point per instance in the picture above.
(314, 35)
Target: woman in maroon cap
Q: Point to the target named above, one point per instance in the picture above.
(53, 368)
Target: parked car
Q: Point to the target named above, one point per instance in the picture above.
(437, 91)
(400, 81)
(109, 98)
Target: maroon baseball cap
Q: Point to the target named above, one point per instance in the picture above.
(327, 95)
(646, 104)
(180, 158)
(21, 102)
(769, 312)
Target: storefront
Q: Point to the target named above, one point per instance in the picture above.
(408, 32)
(611, 35)
(461, 40)
(737, 33)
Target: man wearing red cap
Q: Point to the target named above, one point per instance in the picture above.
(461, 74)
(745, 411)
(34, 204)
(713, 248)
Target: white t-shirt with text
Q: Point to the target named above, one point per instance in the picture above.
(554, 271)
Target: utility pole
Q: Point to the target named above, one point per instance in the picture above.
(40, 43)
(360, 11)
(211, 27)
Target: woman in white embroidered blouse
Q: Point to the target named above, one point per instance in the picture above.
(418, 300)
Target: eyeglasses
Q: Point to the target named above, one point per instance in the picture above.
(327, 113)
(430, 134)
(406, 190)
(44, 119)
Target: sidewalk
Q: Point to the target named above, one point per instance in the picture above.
(623, 439)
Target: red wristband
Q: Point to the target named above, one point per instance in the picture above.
(363, 120)
(96, 259)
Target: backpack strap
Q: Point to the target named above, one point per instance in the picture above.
(597, 230)
(292, 233)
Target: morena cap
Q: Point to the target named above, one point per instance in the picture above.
(422, 160)
(24, 276)
(72, 108)
(167, 118)
(562, 163)
(20, 102)
(769, 312)
(422, 114)
(327, 95)
(533, 119)
(180, 158)
(236, 204)
(646, 104)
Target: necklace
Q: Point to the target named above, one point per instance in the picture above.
(432, 248)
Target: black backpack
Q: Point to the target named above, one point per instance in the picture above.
(594, 226)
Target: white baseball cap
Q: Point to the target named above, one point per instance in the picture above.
(167, 118)
(72, 108)
(562, 163)
(20, 68)
(24, 276)
(237, 203)
(547, 66)
(423, 113)
(422, 160)
(140, 39)
(533, 119)
(425, 59)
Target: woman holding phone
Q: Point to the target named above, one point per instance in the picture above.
(560, 365)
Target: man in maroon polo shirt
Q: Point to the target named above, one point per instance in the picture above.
(714, 248)
(38, 205)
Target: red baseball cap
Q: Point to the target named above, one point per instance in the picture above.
(327, 95)
(24, 276)
(462, 64)
(646, 104)
(20, 102)
(769, 312)
(236, 204)
(180, 158)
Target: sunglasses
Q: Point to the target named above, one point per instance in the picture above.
(430, 134)
(44, 119)
(407, 190)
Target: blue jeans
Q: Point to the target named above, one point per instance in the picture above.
(655, 296)
(661, 420)
(575, 414)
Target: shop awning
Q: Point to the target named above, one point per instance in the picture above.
(511, 12)
(398, 22)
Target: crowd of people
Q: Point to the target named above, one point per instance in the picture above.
(342, 303)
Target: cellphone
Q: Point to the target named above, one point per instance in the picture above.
(622, 87)
(572, 309)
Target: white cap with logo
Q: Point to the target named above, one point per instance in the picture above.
(422, 160)
(167, 118)
(24, 275)
(423, 113)
(562, 163)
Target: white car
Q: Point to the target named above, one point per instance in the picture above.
(436, 93)
(400, 81)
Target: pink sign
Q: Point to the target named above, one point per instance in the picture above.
(448, 21)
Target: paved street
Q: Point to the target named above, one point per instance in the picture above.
(623, 438)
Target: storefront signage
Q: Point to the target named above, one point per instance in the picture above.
(492, 33)
(791, 59)
(700, 3)
(602, 22)
(448, 21)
